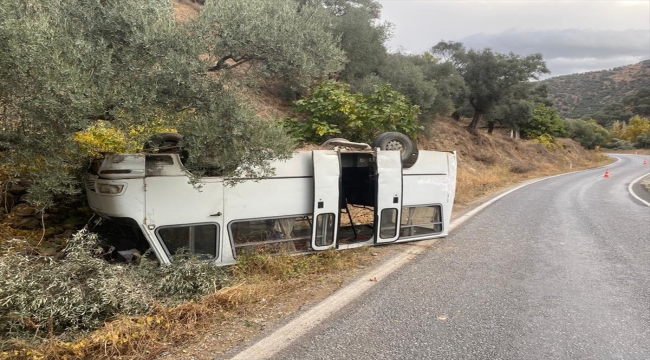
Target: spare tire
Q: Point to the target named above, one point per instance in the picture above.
(162, 142)
(166, 143)
(397, 141)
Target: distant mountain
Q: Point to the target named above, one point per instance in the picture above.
(577, 95)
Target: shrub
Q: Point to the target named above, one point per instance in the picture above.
(619, 144)
(546, 122)
(588, 133)
(643, 141)
(547, 141)
(102, 136)
(331, 110)
(521, 167)
(636, 127)
(82, 291)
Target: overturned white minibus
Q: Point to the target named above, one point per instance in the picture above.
(317, 200)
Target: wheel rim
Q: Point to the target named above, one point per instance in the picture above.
(395, 145)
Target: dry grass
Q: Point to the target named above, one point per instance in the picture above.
(185, 9)
(267, 287)
(262, 282)
(489, 163)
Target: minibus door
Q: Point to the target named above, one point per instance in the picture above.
(185, 218)
(327, 184)
(388, 211)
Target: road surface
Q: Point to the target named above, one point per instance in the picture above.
(557, 270)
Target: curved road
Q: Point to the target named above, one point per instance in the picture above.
(557, 270)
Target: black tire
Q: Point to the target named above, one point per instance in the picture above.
(397, 141)
(166, 143)
(163, 141)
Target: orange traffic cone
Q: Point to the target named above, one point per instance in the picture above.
(645, 162)
(606, 173)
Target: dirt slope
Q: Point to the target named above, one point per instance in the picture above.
(577, 95)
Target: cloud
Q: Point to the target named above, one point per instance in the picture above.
(563, 66)
(570, 50)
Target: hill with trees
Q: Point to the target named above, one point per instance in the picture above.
(85, 77)
(580, 95)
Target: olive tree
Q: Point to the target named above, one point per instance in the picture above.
(489, 75)
(271, 37)
(433, 85)
(67, 64)
(517, 110)
(362, 39)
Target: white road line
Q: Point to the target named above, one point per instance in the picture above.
(629, 188)
(285, 335)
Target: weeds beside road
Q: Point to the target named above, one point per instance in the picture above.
(247, 297)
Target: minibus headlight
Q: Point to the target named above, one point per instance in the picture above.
(110, 189)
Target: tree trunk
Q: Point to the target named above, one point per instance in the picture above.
(475, 120)
(490, 127)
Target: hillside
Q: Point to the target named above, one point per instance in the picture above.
(577, 95)
(59, 298)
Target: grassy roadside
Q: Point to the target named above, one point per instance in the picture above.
(261, 289)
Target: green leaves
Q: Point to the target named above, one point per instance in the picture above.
(271, 37)
(331, 110)
(67, 64)
(489, 76)
(588, 133)
(83, 290)
(545, 121)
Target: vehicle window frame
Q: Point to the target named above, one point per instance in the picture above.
(217, 238)
(441, 221)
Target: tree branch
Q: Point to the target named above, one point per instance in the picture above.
(221, 64)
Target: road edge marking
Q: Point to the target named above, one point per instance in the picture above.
(286, 334)
(631, 191)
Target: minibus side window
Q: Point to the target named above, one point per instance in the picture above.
(272, 235)
(420, 220)
(325, 229)
(194, 240)
(388, 223)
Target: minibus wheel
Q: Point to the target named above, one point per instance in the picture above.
(397, 141)
(166, 143)
(162, 142)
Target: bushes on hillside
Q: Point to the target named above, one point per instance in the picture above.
(80, 292)
(619, 144)
(588, 133)
(331, 110)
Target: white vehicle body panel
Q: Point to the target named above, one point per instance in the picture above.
(389, 195)
(327, 183)
(154, 193)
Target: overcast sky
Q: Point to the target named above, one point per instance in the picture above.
(573, 36)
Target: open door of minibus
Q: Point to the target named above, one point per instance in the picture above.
(327, 187)
(388, 211)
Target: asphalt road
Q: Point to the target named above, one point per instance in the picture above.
(557, 270)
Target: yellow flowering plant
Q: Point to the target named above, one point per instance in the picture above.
(104, 137)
